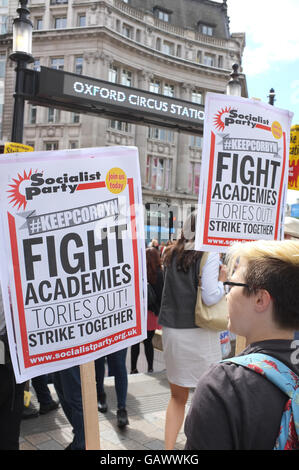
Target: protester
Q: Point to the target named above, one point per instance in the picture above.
(154, 243)
(44, 398)
(235, 408)
(162, 248)
(188, 350)
(43, 394)
(29, 410)
(11, 393)
(117, 367)
(155, 278)
(67, 383)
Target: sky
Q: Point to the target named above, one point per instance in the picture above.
(271, 56)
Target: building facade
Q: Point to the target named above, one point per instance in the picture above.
(179, 48)
(4, 29)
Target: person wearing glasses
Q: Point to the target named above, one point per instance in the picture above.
(235, 408)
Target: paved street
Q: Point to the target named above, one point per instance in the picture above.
(147, 400)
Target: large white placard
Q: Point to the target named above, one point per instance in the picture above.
(73, 256)
(244, 173)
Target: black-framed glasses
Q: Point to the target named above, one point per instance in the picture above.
(229, 284)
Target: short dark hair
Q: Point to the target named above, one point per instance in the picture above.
(273, 266)
(281, 280)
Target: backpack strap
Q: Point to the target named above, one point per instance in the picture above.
(288, 382)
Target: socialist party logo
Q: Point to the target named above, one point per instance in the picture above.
(29, 185)
(228, 116)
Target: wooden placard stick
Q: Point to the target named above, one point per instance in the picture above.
(240, 344)
(90, 406)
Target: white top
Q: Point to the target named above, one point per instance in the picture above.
(212, 288)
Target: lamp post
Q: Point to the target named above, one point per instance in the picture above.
(234, 87)
(271, 96)
(22, 55)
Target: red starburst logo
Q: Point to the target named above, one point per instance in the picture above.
(218, 118)
(17, 198)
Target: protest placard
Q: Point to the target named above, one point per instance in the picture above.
(73, 271)
(244, 174)
(12, 147)
(294, 159)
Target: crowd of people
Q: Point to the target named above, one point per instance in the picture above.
(233, 407)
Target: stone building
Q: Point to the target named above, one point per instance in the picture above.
(180, 48)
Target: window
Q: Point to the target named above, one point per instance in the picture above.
(119, 75)
(155, 86)
(158, 173)
(159, 133)
(39, 23)
(81, 20)
(138, 35)
(60, 23)
(161, 14)
(119, 125)
(113, 74)
(75, 118)
(168, 48)
(196, 141)
(206, 29)
(57, 2)
(53, 115)
(209, 60)
(51, 145)
(194, 177)
(79, 65)
(199, 57)
(168, 90)
(127, 31)
(220, 61)
(3, 24)
(2, 65)
(74, 144)
(57, 64)
(126, 77)
(196, 97)
(32, 114)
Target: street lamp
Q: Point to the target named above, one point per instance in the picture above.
(234, 87)
(22, 55)
(271, 96)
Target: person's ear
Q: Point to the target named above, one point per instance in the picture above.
(262, 300)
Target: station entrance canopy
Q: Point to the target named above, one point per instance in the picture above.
(81, 94)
